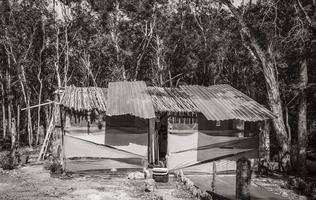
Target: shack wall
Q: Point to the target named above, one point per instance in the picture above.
(124, 147)
(182, 140)
(128, 133)
(204, 141)
(205, 124)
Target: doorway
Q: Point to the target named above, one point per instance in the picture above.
(162, 128)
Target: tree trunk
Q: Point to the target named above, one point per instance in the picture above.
(57, 135)
(21, 76)
(22, 80)
(87, 64)
(148, 34)
(13, 134)
(18, 124)
(160, 60)
(46, 116)
(264, 140)
(115, 39)
(29, 123)
(302, 120)
(4, 122)
(27, 103)
(9, 122)
(5, 10)
(287, 123)
(40, 80)
(66, 58)
(39, 107)
(9, 95)
(272, 84)
(13, 143)
(57, 61)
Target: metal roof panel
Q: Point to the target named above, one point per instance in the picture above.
(171, 100)
(223, 102)
(129, 98)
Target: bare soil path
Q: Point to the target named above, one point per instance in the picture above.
(33, 182)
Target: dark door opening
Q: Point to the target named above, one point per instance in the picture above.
(163, 138)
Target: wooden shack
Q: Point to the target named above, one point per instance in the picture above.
(182, 128)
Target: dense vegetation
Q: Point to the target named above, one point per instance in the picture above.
(265, 49)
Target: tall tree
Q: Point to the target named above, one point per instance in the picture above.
(302, 119)
(270, 74)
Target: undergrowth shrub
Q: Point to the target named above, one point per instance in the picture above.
(10, 160)
(5, 143)
(54, 166)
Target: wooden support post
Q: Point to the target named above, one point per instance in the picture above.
(151, 140)
(105, 127)
(156, 147)
(89, 119)
(214, 177)
(243, 178)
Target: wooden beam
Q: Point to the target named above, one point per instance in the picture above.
(50, 129)
(213, 186)
(151, 140)
(35, 106)
(156, 141)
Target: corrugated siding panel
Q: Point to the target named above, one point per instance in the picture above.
(129, 98)
(171, 100)
(84, 98)
(223, 102)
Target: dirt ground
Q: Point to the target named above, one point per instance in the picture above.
(34, 182)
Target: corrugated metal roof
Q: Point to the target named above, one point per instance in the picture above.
(84, 98)
(223, 102)
(129, 98)
(171, 100)
(217, 102)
